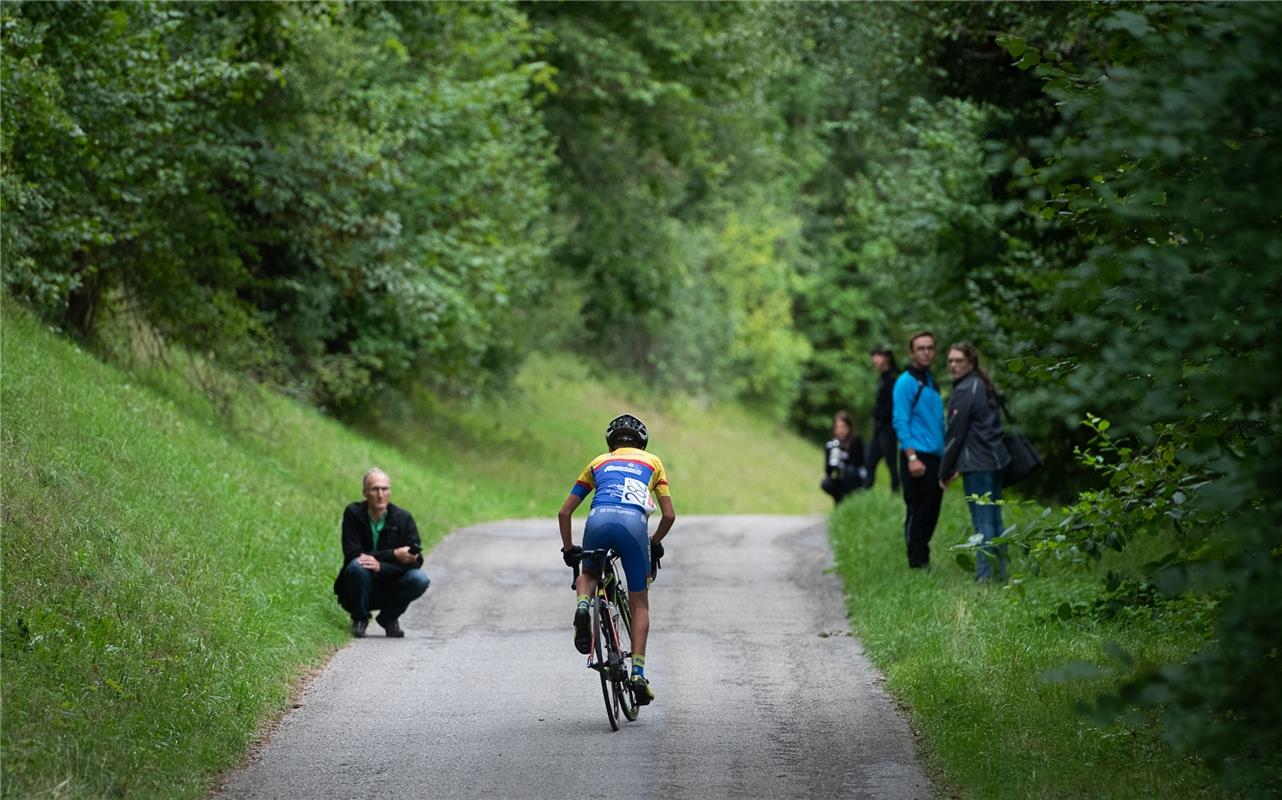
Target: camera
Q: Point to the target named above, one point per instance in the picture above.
(415, 549)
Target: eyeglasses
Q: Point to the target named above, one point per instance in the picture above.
(378, 489)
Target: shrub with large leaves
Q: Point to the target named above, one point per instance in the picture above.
(1172, 129)
(339, 198)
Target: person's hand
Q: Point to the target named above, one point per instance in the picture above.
(572, 555)
(369, 562)
(656, 553)
(404, 555)
(916, 468)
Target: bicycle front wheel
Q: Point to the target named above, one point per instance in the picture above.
(601, 653)
(622, 618)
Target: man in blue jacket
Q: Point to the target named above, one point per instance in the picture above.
(919, 425)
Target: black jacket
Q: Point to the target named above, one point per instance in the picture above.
(845, 462)
(973, 440)
(399, 530)
(883, 407)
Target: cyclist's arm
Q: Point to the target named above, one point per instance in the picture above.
(563, 518)
(667, 516)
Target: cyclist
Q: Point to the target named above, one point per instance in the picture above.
(623, 480)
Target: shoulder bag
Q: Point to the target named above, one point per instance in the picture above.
(1024, 460)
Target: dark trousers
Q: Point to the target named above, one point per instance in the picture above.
(841, 486)
(883, 445)
(923, 497)
(363, 590)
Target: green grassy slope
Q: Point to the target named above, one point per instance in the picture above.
(524, 450)
(166, 577)
(968, 661)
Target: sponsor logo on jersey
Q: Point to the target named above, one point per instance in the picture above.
(628, 468)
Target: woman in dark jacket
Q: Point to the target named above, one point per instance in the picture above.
(973, 446)
(843, 459)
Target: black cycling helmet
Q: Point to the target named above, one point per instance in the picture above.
(626, 430)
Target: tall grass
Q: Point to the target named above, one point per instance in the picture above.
(166, 574)
(968, 660)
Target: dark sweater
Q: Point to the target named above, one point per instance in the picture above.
(399, 530)
(973, 441)
(883, 407)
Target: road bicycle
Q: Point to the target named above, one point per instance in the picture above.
(611, 647)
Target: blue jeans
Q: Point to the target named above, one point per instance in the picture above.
(987, 520)
(363, 590)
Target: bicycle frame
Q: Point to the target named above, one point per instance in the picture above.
(607, 656)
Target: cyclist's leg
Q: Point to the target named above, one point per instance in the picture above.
(586, 584)
(639, 604)
(633, 546)
(586, 587)
(596, 536)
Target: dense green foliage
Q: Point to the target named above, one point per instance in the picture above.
(167, 577)
(1170, 122)
(684, 234)
(1099, 216)
(737, 199)
(337, 198)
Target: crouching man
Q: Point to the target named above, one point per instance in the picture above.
(382, 559)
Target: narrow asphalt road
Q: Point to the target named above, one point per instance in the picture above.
(761, 692)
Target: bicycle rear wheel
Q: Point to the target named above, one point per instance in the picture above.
(622, 618)
(601, 646)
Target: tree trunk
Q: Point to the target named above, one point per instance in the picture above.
(83, 301)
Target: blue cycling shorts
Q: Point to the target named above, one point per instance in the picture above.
(623, 529)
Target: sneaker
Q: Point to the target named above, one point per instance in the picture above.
(358, 627)
(641, 690)
(391, 627)
(582, 631)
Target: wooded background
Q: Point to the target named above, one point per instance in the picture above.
(345, 201)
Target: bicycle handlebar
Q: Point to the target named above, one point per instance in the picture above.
(608, 553)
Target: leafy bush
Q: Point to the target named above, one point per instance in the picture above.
(1171, 118)
(336, 199)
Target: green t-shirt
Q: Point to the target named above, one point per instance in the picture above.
(377, 528)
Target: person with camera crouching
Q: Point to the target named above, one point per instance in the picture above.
(382, 559)
(844, 471)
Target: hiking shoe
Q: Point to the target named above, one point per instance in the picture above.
(641, 690)
(392, 628)
(358, 627)
(582, 631)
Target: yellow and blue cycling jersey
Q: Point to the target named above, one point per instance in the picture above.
(621, 482)
(624, 477)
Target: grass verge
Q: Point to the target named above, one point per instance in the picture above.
(968, 661)
(166, 575)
